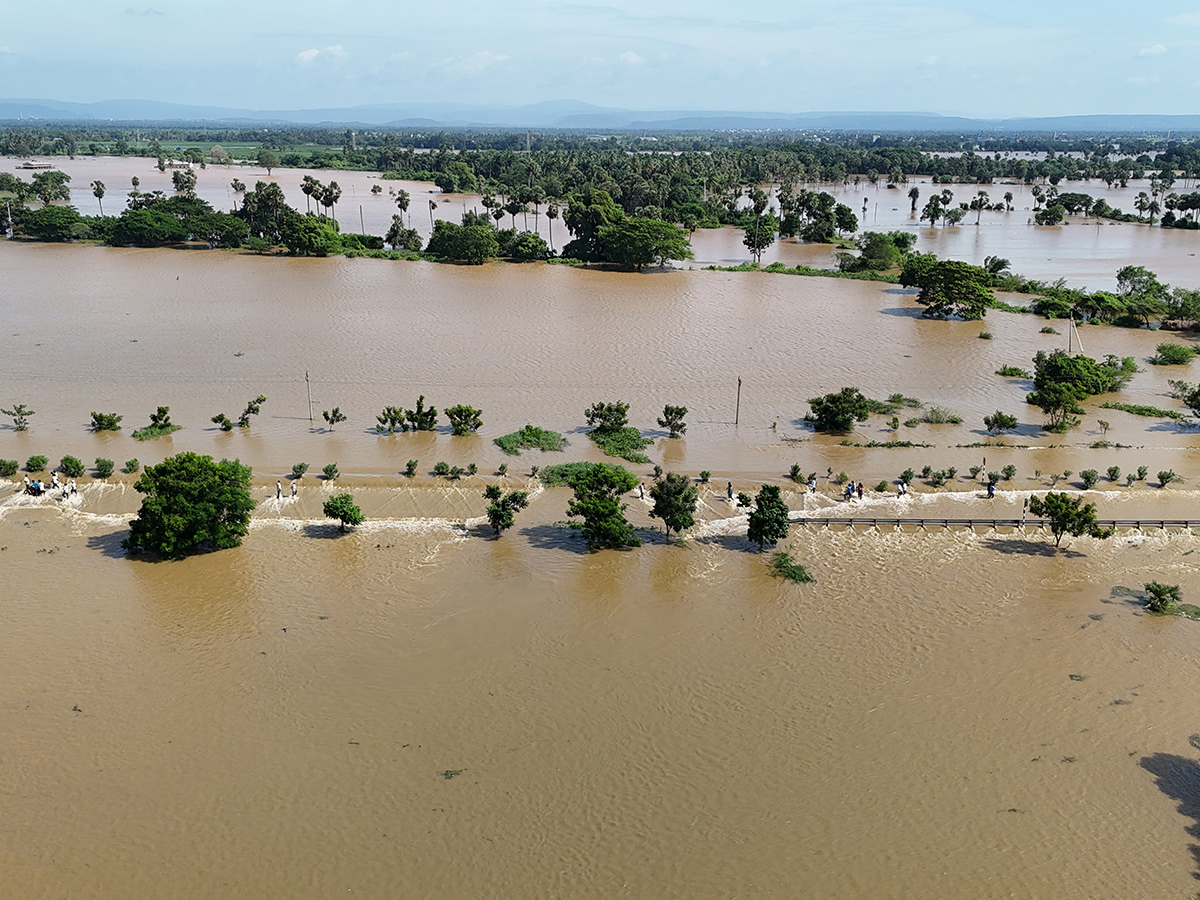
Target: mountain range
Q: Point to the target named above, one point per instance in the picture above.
(575, 115)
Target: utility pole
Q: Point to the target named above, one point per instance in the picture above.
(308, 385)
(737, 410)
(362, 227)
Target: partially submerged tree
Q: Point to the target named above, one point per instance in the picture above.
(672, 419)
(675, 499)
(191, 504)
(999, 421)
(333, 416)
(20, 415)
(1068, 515)
(769, 519)
(342, 508)
(949, 287)
(502, 508)
(464, 419)
(598, 490)
(838, 412)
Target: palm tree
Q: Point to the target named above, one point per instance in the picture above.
(1008, 199)
(982, 200)
(330, 196)
(310, 186)
(914, 193)
(1142, 202)
(432, 207)
(98, 193)
(136, 182)
(551, 215)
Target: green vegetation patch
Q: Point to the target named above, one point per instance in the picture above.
(153, 431)
(624, 443)
(560, 474)
(783, 566)
(1138, 410)
(1013, 372)
(530, 438)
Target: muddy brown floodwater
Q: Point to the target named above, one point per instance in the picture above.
(412, 709)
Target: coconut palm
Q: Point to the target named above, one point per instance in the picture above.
(98, 193)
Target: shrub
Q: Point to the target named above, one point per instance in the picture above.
(999, 421)
(937, 479)
(1168, 476)
(882, 486)
(71, 466)
(1047, 329)
(562, 473)
(926, 471)
(985, 335)
(626, 443)
(1172, 355)
(530, 437)
(1009, 472)
(472, 469)
(442, 469)
(410, 468)
(131, 466)
(299, 469)
(8, 467)
(104, 468)
(838, 412)
(330, 472)
(106, 422)
(1162, 598)
(1089, 477)
(842, 478)
(1114, 473)
(1142, 472)
(939, 415)
(975, 470)
(342, 508)
(464, 419)
(1130, 479)
(36, 464)
(705, 475)
(951, 472)
(160, 424)
(993, 477)
(907, 476)
(1013, 372)
(794, 473)
(20, 415)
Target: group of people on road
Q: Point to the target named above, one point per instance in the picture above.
(37, 487)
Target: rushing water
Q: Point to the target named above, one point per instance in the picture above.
(279, 720)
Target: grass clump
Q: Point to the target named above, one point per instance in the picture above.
(1013, 372)
(160, 424)
(1169, 354)
(1139, 410)
(783, 566)
(939, 415)
(530, 438)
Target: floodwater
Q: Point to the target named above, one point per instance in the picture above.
(413, 709)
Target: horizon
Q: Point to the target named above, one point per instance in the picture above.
(980, 63)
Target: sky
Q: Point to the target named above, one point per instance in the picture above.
(993, 59)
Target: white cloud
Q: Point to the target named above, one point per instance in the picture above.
(630, 58)
(311, 55)
(1156, 50)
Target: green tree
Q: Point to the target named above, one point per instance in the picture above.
(1060, 403)
(106, 421)
(333, 417)
(949, 287)
(769, 519)
(502, 508)
(309, 235)
(401, 238)
(587, 213)
(1163, 598)
(999, 421)
(472, 244)
(20, 414)
(598, 490)
(838, 412)
(191, 504)
(184, 180)
(639, 242)
(51, 186)
(463, 419)
(98, 192)
(50, 223)
(675, 499)
(269, 160)
(759, 234)
(672, 420)
(607, 416)
(1068, 515)
(421, 419)
(342, 508)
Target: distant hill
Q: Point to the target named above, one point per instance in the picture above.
(572, 114)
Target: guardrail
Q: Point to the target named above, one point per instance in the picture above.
(1131, 524)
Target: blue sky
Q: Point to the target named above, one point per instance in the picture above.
(991, 59)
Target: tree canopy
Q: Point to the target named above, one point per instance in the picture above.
(1068, 515)
(838, 412)
(192, 504)
(949, 287)
(675, 499)
(598, 490)
(769, 520)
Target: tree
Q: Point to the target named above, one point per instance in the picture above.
(192, 504)
(106, 421)
(914, 194)
(51, 186)
(184, 181)
(675, 499)
(269, 160)
(333, 416)
(472, 244)
(607, 416)
(949, 287)
(838, 412)
(502, 508)
(999, 421)
(672, 420)
(309, 235)
(421, 419)
(50, 223)
(769, 520)
(401, 238)
(98, 193)
(1060, 403)
(463, 419)
(402, 200)
(759, 235)
(639, 242)
(20, 415)
(1068, 515)
(587, 213)
(342, 508)
(597, 500)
